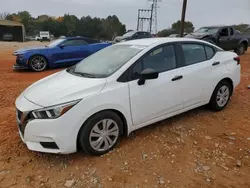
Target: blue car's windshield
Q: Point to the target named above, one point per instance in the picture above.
(55, 43)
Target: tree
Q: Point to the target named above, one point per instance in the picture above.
(188, 27)
(70, 25)
(244, 28)
(165, 32)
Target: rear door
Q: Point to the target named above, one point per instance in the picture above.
(200, 72)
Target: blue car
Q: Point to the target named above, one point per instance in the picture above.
(62, 52)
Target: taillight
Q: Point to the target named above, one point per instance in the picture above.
(237, 59)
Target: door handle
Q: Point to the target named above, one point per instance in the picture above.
(216, 63)
(177, 78)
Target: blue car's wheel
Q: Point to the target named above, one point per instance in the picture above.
(38, 63)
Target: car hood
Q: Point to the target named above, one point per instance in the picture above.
(197, 35)
(24, 50)
(62, 87)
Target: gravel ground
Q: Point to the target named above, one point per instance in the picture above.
(196, 149)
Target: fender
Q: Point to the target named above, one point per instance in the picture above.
(244, 40)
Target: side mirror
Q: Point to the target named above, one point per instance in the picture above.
(147, 74)
(62, 46)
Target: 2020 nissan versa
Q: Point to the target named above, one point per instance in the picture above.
(122, 88)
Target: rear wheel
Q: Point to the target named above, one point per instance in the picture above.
(241, 49)
(221, 96)
(101, 133)
(38, 63)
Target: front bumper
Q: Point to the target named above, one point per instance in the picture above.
(21, 64)
(20, 67)
(57, 136)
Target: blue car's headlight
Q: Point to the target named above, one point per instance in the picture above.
(53, 112)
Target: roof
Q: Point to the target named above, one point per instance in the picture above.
(151, 41)
(10, 23)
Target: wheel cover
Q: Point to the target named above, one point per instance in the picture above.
(38, 63)
(104, 135)
(241, 50)
(223, 96)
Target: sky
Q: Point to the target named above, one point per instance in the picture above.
(200, 12)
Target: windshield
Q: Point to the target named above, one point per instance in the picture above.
(211, 30)
(55, 43)
(106, 62)
(129, 34)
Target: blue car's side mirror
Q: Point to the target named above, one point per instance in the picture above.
(62, 46)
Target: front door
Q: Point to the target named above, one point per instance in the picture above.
(159, 97)
(73, 51)
(224, 39)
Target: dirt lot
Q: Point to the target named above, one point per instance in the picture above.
(196, 149)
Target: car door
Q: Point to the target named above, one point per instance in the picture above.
(72, 51)
(224, 38)
(199, 71)
(234, 40)
(158, 97)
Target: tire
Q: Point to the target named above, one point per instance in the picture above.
(93, 130)
(221, 96)
(241, 49)
(38, 63)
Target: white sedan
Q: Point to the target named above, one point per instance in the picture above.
(122, 88)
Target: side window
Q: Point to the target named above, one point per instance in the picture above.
(231, 32)
(75, 43)
(194, 53)
(224, 32)
(210, 52)
(136, 70)
(161, 59)
(70, 43)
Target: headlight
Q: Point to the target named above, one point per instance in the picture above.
(53, 112)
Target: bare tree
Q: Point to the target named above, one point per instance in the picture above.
(3, 15)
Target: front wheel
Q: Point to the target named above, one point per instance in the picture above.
(221, 96)
(101, 133)
(38, 63)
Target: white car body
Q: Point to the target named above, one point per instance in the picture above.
(140, 105)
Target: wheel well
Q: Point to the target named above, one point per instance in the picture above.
(40, 55)
(125, 125)
(245, 44)
(229, 80)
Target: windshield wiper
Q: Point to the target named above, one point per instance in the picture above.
(85, 74)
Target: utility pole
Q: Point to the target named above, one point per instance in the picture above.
(142, 18)
(184, 7)
(154, 22)
(151, 19)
